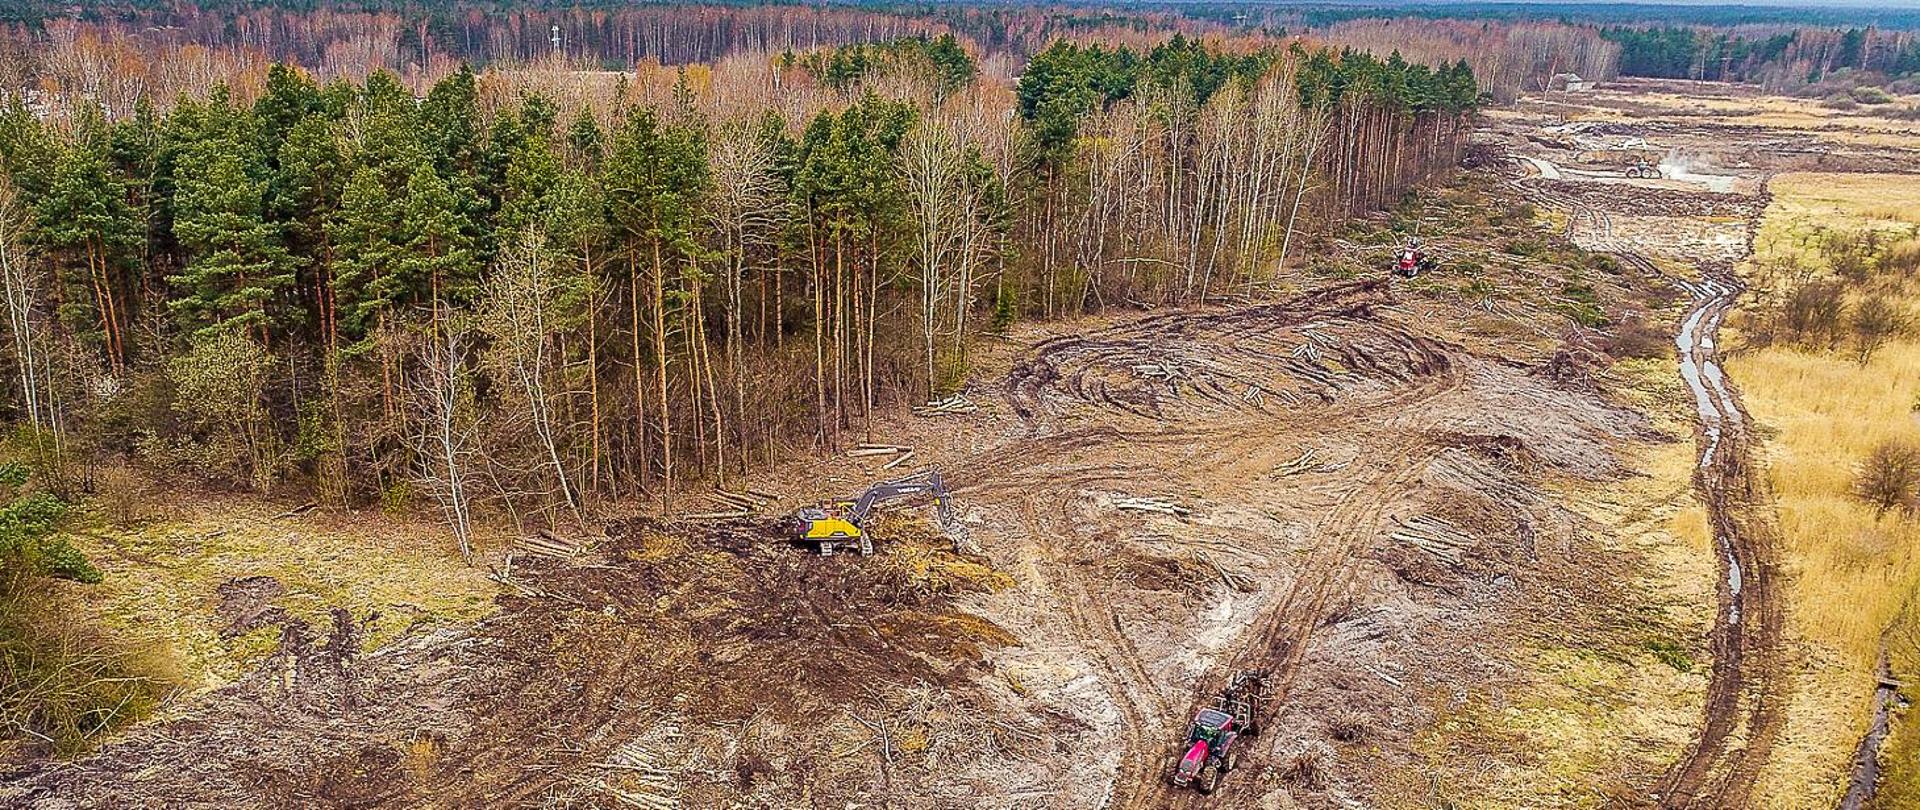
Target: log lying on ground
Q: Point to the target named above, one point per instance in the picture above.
(1434, 536)
(737, 513)
(547, 544)
(737, 500)
(957, 403)
(1159, 505)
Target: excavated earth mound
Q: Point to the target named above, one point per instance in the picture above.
(703, 665)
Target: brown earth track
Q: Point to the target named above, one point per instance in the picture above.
(1743, 712)
(1745, 692)
(1278, 639)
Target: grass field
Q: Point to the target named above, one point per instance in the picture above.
(1850, 571)
(163, 571)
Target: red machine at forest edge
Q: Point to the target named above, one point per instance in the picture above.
(1209, 751)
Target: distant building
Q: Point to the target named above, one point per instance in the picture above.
(1567, 83)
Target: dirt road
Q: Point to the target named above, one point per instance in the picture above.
(1743, 713)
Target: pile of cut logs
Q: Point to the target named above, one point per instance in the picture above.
(958, 403)
(1434, 536)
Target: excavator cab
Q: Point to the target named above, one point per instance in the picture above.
(831, 525)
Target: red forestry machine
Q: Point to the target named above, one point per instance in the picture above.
(1211, 748)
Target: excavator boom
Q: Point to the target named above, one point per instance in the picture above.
(899, 488)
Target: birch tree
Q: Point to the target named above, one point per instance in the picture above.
(930, 165)
(18, 287)
(518, 313)
(444, 440)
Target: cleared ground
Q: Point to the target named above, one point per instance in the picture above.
(1462, 519)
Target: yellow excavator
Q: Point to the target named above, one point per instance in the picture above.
(843, 522)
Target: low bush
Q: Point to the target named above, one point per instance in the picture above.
(62, 682)
(1870, 95)
(1889, 478)
(1634, 337)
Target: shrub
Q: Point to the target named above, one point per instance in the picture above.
(1813, 313)
(1901, 257)
(1871, 95)
(1876, 320)
(1671, 653)
(1890, 476)
(224, 434)
(1005, 310)
(1635, 337)
(62, 682)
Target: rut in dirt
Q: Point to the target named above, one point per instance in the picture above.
(1742, 716)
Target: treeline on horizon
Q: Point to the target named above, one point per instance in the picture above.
(1779, 59)
(509, 305)
(1234, 14)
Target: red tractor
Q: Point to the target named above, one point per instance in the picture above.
(1210, 750)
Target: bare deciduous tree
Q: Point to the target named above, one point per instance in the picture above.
(443, 439)
(518, 314)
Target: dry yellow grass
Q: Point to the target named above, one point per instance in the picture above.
(1849, 570)
(162, 577)
(1862, 126)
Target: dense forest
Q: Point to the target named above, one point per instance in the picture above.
(510, 302)
(159, 53)
(1781, 59)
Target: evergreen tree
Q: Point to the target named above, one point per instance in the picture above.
(362, 235)
(93, 237)
(437, 264)
(530, 174)
(449, 118)
(585, 142)
(290, 97)
(237, 265)
(305, 193)
(26, 148)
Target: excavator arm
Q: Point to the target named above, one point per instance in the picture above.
(900, 488)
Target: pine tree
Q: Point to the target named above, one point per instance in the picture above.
(449, 118)
(237, 266)
(289, 99)
(362, 236)
(305, 193)
(530, 174)
(437, 262)
(654, 177)
(93, 237)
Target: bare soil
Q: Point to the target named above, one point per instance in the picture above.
(1370, 479)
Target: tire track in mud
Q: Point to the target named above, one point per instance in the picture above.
(1278, 639)
(1412, 368)
(1743, 713)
